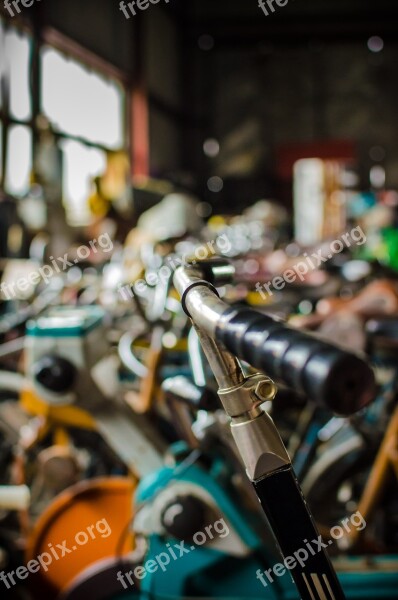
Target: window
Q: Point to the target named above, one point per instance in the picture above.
(81, 164)
(19, 160)
(15, 109)
(80, 102)
(17, 52)
(87, 109)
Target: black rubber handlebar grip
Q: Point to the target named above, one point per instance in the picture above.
(326, 374)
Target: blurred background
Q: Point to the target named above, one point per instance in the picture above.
(213, 97)
(191, 129)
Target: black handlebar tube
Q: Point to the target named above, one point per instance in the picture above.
(267, 463)
(331, 377)
(326, 374)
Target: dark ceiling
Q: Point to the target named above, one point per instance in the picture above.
(242, 21)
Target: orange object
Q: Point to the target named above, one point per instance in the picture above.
(86, 523)
(380, 297)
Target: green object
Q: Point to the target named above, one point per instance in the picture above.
(63, 321)
(390, 237)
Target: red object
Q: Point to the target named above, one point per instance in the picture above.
(140, 132)
(288, 154)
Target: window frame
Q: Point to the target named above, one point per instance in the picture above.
(7, 120)
(73, 50)
(51, 37)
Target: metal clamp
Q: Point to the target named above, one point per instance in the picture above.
(247, 397)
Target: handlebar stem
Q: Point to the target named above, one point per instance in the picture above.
(255, 434)
(263, 453)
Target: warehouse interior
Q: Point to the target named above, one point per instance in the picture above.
(198, 299)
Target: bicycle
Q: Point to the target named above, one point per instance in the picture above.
(175, 501)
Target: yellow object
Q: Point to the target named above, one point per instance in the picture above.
(216, 222)
(99, 206)
(116, 176)
(255, 299)
(65, 416)
(61, 437)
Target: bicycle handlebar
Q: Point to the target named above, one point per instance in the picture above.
(325, 373)
(330, 376)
